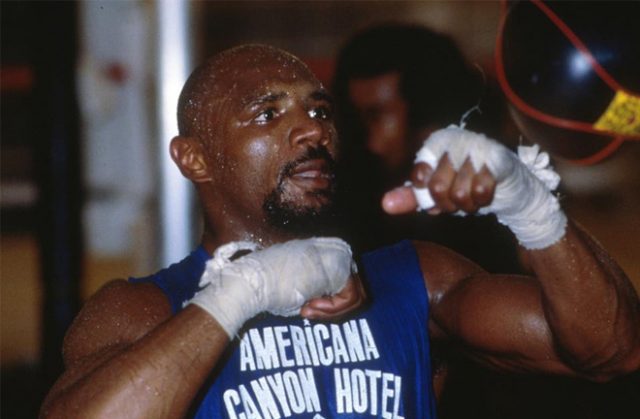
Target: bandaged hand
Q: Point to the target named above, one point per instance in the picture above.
(464, 172)
(278, 280)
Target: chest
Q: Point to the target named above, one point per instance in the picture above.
(375, 363)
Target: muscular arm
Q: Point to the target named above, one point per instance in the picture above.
(578, 314)
(570, 319)
(590, 305)
(126, 357)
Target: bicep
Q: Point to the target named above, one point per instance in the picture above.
(499, 321)
(495, 319)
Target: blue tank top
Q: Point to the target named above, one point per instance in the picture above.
(375, 363)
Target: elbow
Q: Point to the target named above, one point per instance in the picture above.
(603, 377)
(617, 362)
(624, 367)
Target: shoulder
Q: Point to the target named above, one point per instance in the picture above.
(118, 314)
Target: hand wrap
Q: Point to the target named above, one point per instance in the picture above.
(523, 200)
(278, 279)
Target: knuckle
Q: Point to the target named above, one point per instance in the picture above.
(420, 174)
(459, 195)
(438, 188)
(482, 193)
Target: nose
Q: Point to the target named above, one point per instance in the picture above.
(309, 132)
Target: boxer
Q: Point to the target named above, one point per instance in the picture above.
(222, 333)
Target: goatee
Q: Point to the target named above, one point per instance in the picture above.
(299, 219)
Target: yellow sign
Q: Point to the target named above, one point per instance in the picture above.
(622, 115)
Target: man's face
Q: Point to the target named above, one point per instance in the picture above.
(276, 143)
(384, 115)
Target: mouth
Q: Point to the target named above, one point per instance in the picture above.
(313, 175)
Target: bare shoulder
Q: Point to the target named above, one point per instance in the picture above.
(118, 314)
(443, 268)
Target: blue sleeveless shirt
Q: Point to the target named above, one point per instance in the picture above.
(375, 363)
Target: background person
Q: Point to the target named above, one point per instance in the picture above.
(395, 84)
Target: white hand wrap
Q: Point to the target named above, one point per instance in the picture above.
(279, 279)
(523, 200)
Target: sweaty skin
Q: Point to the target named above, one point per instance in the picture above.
(248, 114)
(245, 116)
(575, 318)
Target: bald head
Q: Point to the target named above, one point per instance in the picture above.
(257, 138)
(218, 77)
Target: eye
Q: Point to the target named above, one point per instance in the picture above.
(266, 115)
(321, 112)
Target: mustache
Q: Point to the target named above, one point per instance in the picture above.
(311, 153)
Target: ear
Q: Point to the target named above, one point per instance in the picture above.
(188, 154)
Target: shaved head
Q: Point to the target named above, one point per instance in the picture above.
(216, 78)
(257, 137)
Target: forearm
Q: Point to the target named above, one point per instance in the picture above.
(591, 307)
(586, 312)
(157, 376)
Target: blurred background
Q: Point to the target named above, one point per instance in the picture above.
(89, 91)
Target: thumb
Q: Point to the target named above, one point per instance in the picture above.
(400, 200)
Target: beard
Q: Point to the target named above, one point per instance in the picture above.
(299, 219)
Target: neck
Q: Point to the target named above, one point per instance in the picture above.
(212, 237)
(224, 224)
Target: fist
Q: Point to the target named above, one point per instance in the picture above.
(451, 190)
